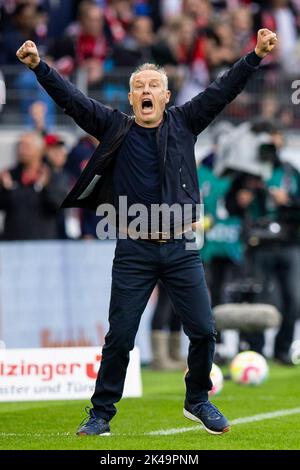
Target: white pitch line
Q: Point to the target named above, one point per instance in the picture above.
(246, 419)
(35, 434)
(167, 432)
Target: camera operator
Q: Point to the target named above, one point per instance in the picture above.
(269, 208)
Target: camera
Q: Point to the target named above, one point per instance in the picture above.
(248, 148)
(267, 152)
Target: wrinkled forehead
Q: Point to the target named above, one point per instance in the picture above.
(147, 76)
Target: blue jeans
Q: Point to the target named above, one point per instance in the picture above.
(137, 266)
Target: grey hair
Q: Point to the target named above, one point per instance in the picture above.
(149, 66)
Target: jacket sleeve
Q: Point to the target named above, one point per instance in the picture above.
(90, 115)
(203, 108)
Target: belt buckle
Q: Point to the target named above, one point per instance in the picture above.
(161, 240)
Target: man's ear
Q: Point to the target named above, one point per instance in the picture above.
(130, 98)
(168, 96)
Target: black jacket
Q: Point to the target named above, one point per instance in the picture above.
(32, 213)
(176, 135)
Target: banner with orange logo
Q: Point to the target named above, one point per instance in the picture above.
(58, 374)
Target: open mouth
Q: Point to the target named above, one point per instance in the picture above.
(147, 104)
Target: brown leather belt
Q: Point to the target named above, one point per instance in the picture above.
(158, 237)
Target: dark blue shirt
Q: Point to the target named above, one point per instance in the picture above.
(136, 173)
(176, 140)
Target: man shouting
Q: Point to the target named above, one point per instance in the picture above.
(149, 158)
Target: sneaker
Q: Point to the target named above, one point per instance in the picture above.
(93, 425)
(220, 360)
(208, 415)
(284, 359)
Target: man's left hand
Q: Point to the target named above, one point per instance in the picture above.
(266, 41)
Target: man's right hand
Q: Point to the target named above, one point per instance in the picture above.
(29, 55)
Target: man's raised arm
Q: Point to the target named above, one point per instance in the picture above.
(89, 114)
(201, 110)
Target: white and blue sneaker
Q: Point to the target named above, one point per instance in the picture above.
(207, 414)
(93, 425)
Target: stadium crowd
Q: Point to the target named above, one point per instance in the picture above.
(194, 39)
(252, 217)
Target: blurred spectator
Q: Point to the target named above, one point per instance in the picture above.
(76, 162)
(170, 9)
(8, 8)
(119, 14)
(201, 10)
(166, 43)
(194, 39)
(222, 252)
(271, 109)
(31, 93)
(284, 21)
(188, 46)
(61, 14)
(56, 155)
(56, 152)
(281, 15)
(201, 51)
(243, 32)
(30, 194)
(74, 28)
(85, 46)
(91, 44)
(198, 52)
(269, 208)
(165, 53)
(80, 155)
(37, 112)
(136, 49)
(28, 22)
(166, 334)
(230, 48)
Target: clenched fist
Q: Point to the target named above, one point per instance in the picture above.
(266, 41)
(29, 55)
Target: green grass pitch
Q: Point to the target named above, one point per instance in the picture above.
(52, 425)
